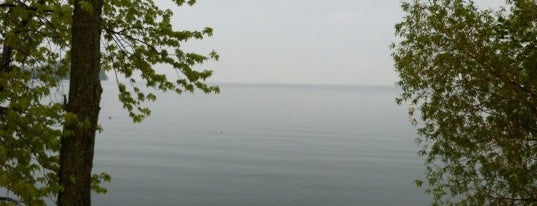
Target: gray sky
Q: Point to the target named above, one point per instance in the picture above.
(296, 41)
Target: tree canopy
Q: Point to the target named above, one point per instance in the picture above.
(135, 35)
(472, 74)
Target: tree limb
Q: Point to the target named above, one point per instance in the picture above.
(10, 200)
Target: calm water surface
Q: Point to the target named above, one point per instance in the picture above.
(261, 145)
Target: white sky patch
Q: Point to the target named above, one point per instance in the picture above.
(298, 41)
(343, 17)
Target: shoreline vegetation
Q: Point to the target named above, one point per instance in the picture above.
(35, 73)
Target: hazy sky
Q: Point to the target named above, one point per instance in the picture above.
(297, 41)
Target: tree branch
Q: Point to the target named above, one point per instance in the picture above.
(31, 8)
(10, 200)
(152, 47)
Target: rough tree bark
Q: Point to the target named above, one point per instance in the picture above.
(77, 143)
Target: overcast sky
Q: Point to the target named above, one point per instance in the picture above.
(297, 41)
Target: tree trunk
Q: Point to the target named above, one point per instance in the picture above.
(77, 143)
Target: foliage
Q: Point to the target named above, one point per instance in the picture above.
(138, 35)
(35, 35)
(473, 75)
(30, 123)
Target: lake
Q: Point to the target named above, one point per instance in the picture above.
(261, 144)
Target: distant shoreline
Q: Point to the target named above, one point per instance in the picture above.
(269, 84)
